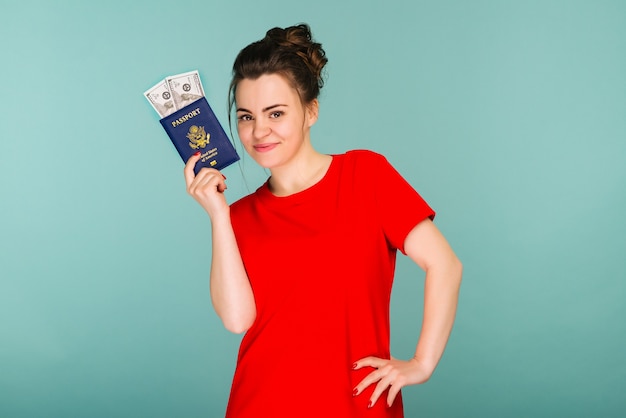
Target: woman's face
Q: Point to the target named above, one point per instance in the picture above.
(272, 122)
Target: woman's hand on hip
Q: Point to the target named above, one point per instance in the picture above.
(393, 374)
(207, 187)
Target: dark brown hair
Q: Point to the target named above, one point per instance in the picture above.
(289, 52)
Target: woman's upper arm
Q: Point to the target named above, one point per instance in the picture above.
(427, 246)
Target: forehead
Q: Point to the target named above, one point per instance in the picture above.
(267, 90)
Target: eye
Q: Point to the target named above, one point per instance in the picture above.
(244, 117)
(276, 114)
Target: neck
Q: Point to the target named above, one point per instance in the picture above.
(306, 170)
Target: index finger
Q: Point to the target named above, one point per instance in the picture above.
(189, 167)
(375, 362)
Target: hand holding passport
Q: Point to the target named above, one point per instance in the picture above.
(190, 122)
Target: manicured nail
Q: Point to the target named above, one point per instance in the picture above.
(196, 154)
(369, 405)
(354, 366)
(355, 392)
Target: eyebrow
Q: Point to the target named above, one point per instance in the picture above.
(241, 109)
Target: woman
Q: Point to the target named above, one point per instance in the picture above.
(305, 264)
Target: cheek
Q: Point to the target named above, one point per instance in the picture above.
(285, 131)
(244, 133)
(245, 137)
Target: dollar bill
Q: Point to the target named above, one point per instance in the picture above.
(161, 99)
(186, 88)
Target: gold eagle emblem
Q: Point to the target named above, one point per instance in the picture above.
(198, 137)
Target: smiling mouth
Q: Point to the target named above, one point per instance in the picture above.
(264, 147)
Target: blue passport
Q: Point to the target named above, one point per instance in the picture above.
(195, 128)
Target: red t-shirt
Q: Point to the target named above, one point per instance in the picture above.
(321, 265)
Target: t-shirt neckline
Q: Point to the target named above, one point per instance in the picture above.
(268, 197)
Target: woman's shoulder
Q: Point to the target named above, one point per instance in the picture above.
(363, 153)
(364, 158)
(245, 202)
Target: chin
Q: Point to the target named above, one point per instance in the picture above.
(265, 161)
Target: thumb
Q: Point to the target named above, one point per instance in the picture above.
(191, 164)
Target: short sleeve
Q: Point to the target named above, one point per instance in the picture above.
(399, 205)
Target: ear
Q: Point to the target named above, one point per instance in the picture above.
(312, 112)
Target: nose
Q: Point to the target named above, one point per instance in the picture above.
(261, 129)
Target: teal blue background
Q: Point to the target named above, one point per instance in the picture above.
(509, 117)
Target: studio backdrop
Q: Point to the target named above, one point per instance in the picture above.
(508, 117)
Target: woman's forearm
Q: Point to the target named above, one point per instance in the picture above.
(231, 292)
(441, 292)
(430, 250)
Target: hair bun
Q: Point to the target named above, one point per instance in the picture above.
(291, 52)
(299, 40)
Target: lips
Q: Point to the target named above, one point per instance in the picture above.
(264, 147)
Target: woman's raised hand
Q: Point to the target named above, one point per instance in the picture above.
(207, 187)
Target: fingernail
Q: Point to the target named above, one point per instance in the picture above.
(223, 176)
(355, 392)
(196, 154)
(354, 366)
(369, 405)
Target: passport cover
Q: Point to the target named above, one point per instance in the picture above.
(195, 128)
